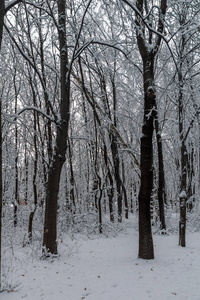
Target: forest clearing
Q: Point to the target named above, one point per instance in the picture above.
(106, 267)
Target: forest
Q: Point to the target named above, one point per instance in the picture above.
(100, 123)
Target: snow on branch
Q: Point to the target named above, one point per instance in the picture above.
(113, 128)
(11, 4)
(107, 44)
(33, 108)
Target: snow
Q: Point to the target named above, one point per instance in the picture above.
(182, 194)
(107, 268)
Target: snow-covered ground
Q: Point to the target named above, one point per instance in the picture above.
(107, 268)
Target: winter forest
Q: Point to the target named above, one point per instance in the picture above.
(99, 149)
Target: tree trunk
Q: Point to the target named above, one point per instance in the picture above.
(124, 192)
(161, 176)
(146, 250)
(100, 207)
(114, 149)
(72, 181)
(183, 183)
(110, 189)
(50, 224)
(30, 227)
(16, 196)
(148, 46)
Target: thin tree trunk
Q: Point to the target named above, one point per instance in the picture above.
(100, 190)
(161, 176)
(31, 216)
(115, 154)
(124, 192)
(183, 150)
(183, 183)
(26, 175)
(72, 181)
(110, 189)
(16, 197)
(190, 174)
(183, 197)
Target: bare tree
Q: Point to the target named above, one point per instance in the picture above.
(58, 159)
(149, 28)
(3, 10)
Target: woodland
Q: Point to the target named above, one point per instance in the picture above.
(100, 119)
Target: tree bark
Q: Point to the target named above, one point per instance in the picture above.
(146, 250)
(183, 150)
(72, 181)
(148, 45)
(35, 193)
(110, 183)
(16, 196)
(50, 224)
(183, 183)
(161, 175)
(183, 196)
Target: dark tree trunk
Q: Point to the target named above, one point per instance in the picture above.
(183, 185)
(124, 192)
(148, 45)
(72, 181)
(161, 175)
(146, 250)
(190, 175)
(100, 207)
(50, 224)
(31, 216)
(115, 154)
(26, 176)
(183, 196)
(183, 150)
(110, 189)
(16, 197)
(125, 200)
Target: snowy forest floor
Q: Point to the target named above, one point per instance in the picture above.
(106, 268)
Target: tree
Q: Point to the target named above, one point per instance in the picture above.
(58, 159)
(148, 40)
(3, 10)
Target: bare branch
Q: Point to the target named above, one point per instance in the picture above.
(11, 4)
(33, 108)
(95, 105)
